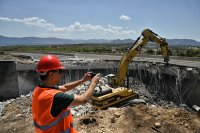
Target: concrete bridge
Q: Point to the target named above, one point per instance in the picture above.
(178, 82)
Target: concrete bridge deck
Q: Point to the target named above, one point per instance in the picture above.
(182, 75)
(177, 61)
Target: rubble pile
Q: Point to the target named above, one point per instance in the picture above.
(16, 117)
(17, 58)
(140, 118)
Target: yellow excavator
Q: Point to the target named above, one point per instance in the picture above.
(115, 93)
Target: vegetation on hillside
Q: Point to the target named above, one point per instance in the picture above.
(187, 51)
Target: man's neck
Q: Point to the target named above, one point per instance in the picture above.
(47, 84)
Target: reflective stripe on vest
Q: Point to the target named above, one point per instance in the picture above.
(45, 127)
(66, 131)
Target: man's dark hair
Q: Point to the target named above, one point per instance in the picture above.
(45, 75)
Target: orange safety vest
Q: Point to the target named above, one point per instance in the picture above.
(44, 122)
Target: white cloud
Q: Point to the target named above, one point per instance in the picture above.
(5, 19)
(33, 21)
(123, 17)
(74, 29)
(115, 27)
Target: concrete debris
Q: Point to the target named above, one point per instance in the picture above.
(189, 69)
(154, 106)
(82, 109)
(137, 101)
(157, 124)
(184, 106)
(196, 108)
(117, 115)
(139, 118)
(3, 104)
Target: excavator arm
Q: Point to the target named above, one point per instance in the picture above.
(146, 36)
(115, 93)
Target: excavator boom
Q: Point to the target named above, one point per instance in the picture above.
(114, 93)
(146, 36)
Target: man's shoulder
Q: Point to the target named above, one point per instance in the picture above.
(63, 95)
(45, 93)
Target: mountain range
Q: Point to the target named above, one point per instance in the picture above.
(10, 41)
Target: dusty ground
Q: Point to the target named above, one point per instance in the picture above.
(16, 118)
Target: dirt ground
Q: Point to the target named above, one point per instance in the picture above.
(16, 118)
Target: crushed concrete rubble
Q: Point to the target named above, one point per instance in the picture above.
(17, 58)
(196, 108)
(16, 117)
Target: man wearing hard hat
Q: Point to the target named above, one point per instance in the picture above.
(50, 103)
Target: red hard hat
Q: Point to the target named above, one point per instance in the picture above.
(48, 62)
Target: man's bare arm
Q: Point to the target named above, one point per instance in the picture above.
(72, 85)
(85, 97)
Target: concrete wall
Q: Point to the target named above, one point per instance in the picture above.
(27, 81)
(175, 83)
(8, 80)
(13, 82)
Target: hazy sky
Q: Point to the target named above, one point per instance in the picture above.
(100, 19)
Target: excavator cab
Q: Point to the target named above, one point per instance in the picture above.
(114, 93)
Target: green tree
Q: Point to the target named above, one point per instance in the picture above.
(191, 53)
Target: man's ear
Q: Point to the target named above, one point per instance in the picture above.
(50, 74)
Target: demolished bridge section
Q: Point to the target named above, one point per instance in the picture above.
(177, 83)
